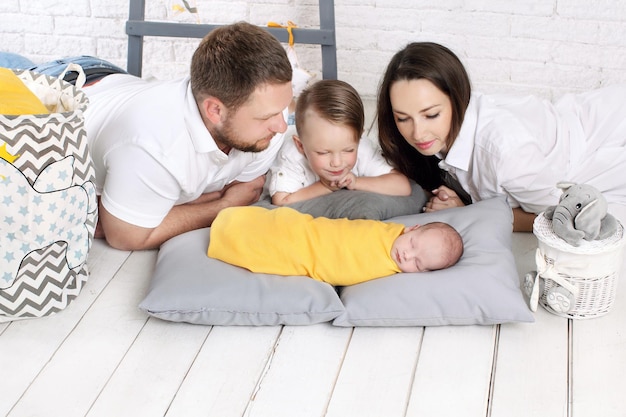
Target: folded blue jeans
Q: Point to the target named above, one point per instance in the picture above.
(95, 68)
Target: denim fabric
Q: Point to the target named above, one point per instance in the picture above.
(14, 61)
(95, 68)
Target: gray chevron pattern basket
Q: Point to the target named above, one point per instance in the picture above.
(48, 208)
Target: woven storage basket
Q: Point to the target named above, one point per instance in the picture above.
(577, 281)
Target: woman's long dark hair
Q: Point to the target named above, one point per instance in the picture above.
(439, 65)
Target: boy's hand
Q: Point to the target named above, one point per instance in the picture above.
(332, 185)
(349, 181)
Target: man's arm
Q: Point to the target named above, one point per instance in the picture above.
(181, 218)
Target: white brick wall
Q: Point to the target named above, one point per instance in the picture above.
(546, 47)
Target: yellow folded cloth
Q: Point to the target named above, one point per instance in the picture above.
(16, 98)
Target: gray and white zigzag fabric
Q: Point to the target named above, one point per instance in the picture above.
(48, 208)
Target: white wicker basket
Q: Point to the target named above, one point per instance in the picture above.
(576, 281)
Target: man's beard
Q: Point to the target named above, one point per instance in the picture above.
(226, 136)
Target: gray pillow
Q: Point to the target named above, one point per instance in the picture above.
(360, 204)
(188, 286)
(482, 288)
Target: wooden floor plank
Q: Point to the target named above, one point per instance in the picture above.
(531, 376)
(27, 345)
(377, 373)
(532, 368)
(599, 354)
(454, 372)
(224, 375)
(145, 382)
(599, 367)
(300, 377)
(69, 384)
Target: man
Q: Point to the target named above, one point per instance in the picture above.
(170, 155)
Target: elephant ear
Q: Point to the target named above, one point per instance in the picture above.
(549, 212)
(609, 225)
(563, 185)
(589, 220)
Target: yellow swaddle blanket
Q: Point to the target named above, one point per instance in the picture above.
(286, 242)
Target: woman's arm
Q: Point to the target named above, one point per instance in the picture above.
(522, 220)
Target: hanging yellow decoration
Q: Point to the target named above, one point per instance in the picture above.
(290, 25)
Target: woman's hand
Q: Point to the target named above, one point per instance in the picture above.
(443, 198)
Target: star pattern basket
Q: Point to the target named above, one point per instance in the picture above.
(48, 206)
(577, 282)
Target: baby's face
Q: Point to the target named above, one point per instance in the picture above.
(419, 250)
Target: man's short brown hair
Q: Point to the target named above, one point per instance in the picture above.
(233, 60)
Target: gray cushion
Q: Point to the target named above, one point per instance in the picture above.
(482, 288)
(189, 286)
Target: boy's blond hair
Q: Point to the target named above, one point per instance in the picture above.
(333, 100)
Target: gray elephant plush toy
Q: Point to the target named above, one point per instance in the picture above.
(581, 214)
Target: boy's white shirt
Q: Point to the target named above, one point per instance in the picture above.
(292, 172)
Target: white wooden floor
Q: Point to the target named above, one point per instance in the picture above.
(102, 356)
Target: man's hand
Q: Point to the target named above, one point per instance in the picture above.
(243, 193)
(443, 198)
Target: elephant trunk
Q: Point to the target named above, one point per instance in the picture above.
(563, 226)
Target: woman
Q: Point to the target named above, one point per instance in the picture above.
(430, 122)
